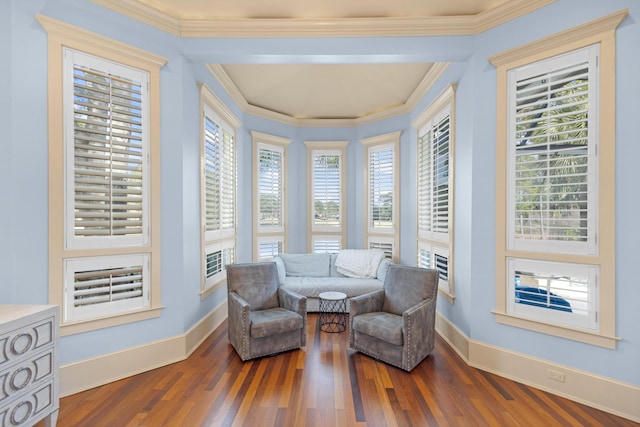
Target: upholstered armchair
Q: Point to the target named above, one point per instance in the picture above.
(263, 318)
(397, 324)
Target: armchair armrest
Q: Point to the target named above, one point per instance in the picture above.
(418, 328)
(239, 323)
(292, 301)
(366, 303)
(298, 303)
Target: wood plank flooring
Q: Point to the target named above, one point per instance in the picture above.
(325, 384)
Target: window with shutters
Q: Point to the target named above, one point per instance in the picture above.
(269, 189)
(327, 207)
(218, 189)
(555, 233)
(435, 189)
(104, 198)
(382, 193)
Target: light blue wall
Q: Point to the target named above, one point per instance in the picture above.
(23, 116)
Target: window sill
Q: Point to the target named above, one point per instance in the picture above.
(586, 337)
(106, 322)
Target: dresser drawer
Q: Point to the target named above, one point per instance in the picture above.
(29, 408)
(24, 341)
(23, 374)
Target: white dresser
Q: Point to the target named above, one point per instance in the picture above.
(28, 364)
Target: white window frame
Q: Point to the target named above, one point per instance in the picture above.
(599, 32)
(337, 233)
(61, 250)
(383, 235)
(223, 238)
(441, 243)
(277, 233)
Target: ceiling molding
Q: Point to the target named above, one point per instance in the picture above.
(425, 84)
(338, 27)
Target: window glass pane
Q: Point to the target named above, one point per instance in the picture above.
(558, 292)
(381, 186)
(270, 188)
(326, 190)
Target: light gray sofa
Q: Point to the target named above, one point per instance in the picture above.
(311, 274)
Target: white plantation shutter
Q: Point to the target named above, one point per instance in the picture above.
(269, 247)
(552, 155)
(217, 257)
(436, 258)
(270, 187)
(106, 285)
(381, 187)
(219, 175)
(385, 245)
(106, 140)
(327, 190)
(228, 182)
(433, 178)
(213, 167)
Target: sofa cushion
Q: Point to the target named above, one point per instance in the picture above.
(382, 269)
(311, 287)
(282, 271)
(333, 271)
(309, 265)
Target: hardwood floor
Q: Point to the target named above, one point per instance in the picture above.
(325, 384)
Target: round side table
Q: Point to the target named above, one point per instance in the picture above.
(333, 312)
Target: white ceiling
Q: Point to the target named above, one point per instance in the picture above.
(321, 91)
(298, 9)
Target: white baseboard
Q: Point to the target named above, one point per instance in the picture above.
(97, 371)
(603, 393)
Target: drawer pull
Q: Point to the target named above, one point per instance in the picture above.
(21, 343)
(21, 378)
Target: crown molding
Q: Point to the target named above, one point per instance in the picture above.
(143, 13)
(590, 29)
(337, 27)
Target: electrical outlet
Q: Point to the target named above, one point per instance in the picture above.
(555, 375)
